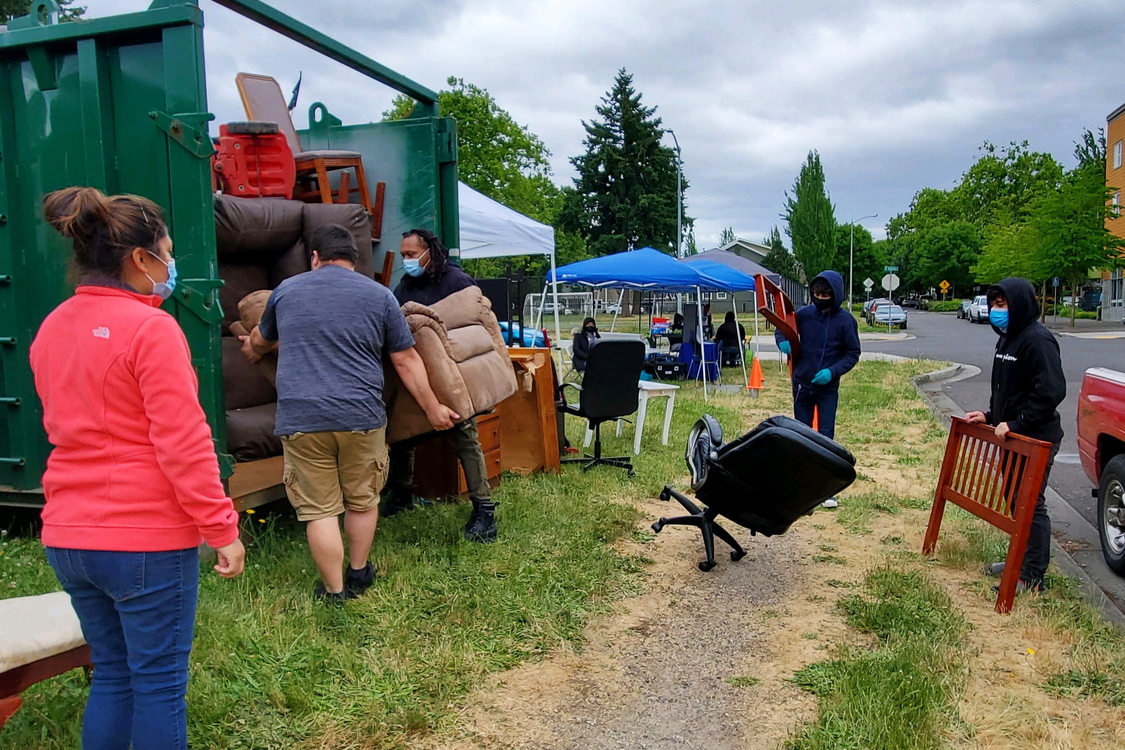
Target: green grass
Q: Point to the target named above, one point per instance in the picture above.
(272, 668)
(742, 681)
(901, 693)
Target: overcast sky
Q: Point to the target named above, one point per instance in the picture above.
(894, 95)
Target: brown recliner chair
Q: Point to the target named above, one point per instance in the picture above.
(261, 242)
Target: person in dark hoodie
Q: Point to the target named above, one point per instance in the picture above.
(829, 348)
(1027, 387)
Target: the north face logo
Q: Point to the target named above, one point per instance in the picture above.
(101, 332)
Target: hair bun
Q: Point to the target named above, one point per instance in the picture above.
(78, 213)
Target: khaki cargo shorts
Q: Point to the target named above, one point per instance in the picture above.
(326, 472)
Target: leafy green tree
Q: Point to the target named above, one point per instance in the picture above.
(624, 193)
(504, 160)
(1005, 181)
(1010, 250)
(10, 9)
(945, 253)
(779, 259)
(810, 219)
(865, 261)
(727, 237)
(1071, 221)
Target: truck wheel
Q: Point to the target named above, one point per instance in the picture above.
(1111, 514)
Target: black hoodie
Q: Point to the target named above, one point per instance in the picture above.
(1027, 376)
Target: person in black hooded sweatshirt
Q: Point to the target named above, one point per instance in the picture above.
(1027, 387)
(829, 348)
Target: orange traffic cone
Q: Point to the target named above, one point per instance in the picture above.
(815, 420)
(756, 380)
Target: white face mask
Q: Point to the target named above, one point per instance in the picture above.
(164, 289)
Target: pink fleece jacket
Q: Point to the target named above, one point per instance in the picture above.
(133, 468)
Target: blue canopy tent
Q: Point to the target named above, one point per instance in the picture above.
(731, 280)
(648, 269)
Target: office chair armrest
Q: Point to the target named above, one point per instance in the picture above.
(575, 386)
(561, 392)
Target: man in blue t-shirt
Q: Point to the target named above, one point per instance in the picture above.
(332, 328)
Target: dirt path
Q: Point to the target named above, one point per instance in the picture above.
(671, 668)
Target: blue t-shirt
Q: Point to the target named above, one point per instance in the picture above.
(333, 327)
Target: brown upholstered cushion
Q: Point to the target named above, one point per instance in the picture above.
(293, 261)
(241, 279)
(353, 218)
(256, 230)
(250, 433)
(244, 384)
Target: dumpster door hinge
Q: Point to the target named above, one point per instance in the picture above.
(187, 130)
(198, 296)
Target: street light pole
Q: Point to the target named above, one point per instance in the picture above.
(851, 256)
(679, 198)
(679, 214)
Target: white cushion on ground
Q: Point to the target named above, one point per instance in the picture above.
(35, 627)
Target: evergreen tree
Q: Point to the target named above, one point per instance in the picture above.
(778, 259)
(727, 237)
(810, 219)
(624, 195)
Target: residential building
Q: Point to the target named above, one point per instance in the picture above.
(1113, 285)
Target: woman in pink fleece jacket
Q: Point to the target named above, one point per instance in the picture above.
(132, 486)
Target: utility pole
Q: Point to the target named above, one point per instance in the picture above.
(851, 256)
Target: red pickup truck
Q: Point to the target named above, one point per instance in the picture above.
(1101, 446)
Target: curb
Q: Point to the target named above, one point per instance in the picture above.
(944, 408)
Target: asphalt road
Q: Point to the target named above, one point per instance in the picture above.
(941, 336)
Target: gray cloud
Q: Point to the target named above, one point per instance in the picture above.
(896, 96)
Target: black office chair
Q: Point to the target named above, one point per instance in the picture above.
(765, 480)
(608, 392)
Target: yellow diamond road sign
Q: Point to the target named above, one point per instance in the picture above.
(944, 285)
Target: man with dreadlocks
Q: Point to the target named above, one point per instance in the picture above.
(429, 277)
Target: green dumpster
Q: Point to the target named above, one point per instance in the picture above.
(120, 103)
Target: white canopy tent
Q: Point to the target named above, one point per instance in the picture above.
(490, 229)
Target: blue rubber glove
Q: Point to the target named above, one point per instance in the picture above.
(824, 377)
(784, 348)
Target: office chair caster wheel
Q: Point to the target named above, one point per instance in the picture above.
(737, 555)
(706, 565)
(631, 473)
(658, 526)
(665, 495)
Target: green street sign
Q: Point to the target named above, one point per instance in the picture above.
(890, 269)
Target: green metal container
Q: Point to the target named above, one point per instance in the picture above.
(120, 103)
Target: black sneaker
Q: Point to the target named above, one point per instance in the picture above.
(322, 594)
(358, 581)
(1024, 586)
(995, 569)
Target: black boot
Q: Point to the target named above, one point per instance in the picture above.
(482, 522)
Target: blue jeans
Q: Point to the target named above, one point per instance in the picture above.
(137, 611)
(806, 398)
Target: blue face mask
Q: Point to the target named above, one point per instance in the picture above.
(164, 289)
(413, 266)
(999, 318)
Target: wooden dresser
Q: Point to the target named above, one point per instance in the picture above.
(437, 472)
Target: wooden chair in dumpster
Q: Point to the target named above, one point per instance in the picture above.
(997, 480)
(262, 99)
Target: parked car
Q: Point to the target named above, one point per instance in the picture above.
(1090, 300)
(963, 310)
(878, 304)
(1101, 448)
(613, 308)
(892, 315)
(978, 310)
(869, 303)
